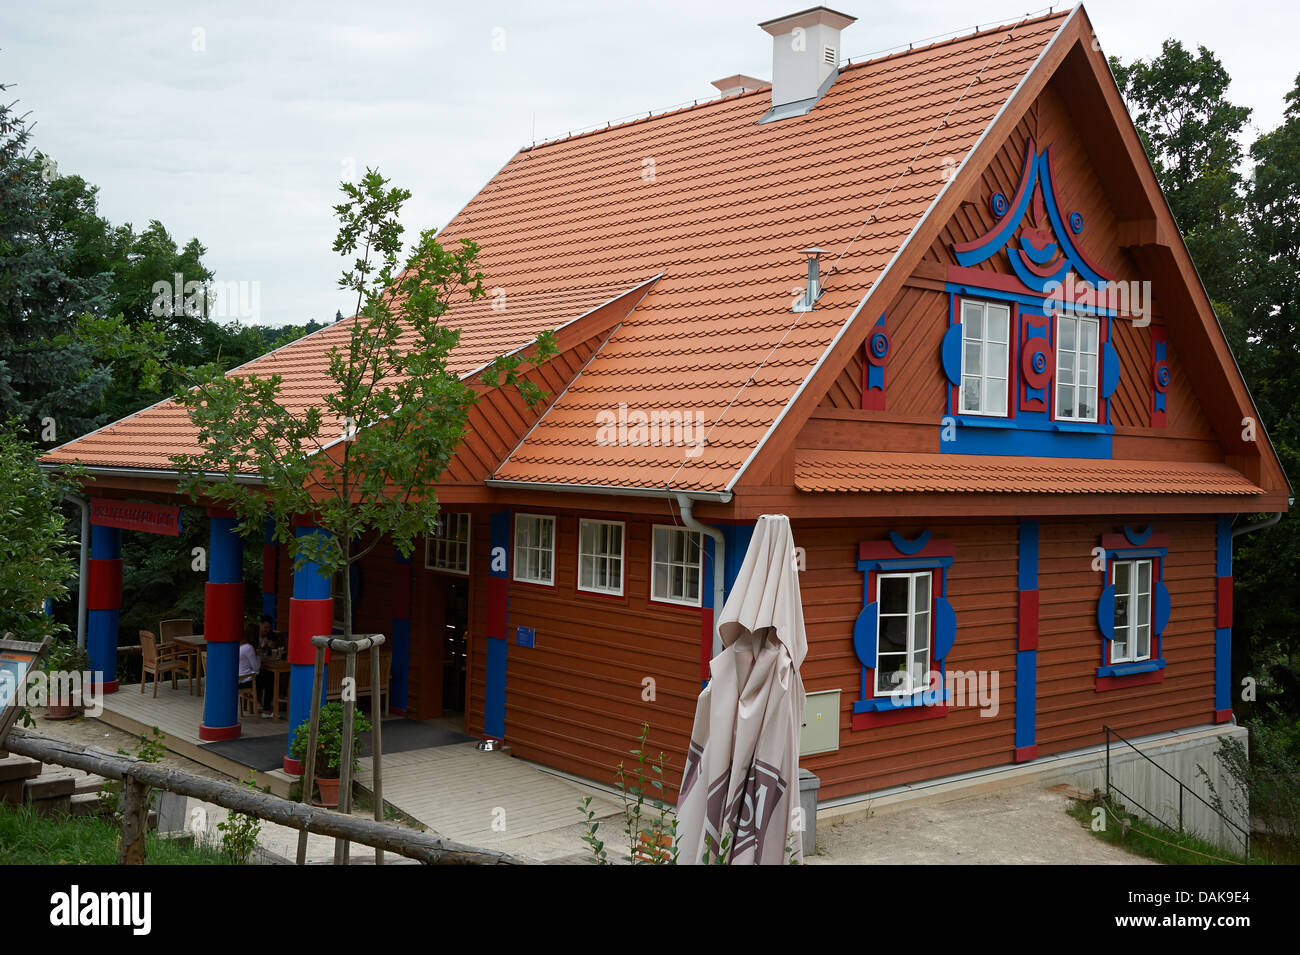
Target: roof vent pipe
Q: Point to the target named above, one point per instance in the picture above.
(814, 289)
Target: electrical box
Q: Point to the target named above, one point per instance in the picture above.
(821, 723)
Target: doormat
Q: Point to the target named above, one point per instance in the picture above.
(400, 735)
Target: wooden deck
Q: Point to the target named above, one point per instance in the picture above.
(485, 799)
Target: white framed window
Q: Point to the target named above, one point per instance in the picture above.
(1076, 367)
(676, 565)
(985, 351)
(535, 549)
(447, 548)
(600, 557)
(903, 632)
(1132, 638)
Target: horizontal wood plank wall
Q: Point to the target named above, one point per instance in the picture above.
(1071, 711)
(982, 590)
(574, 701)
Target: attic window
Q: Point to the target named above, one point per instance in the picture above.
(829, 55)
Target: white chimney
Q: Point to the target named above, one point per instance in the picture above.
(805, 59)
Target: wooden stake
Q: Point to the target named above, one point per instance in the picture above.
(376, 745)
(345, 766)
(309, 771)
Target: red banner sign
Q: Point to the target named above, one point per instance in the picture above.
(136, 516)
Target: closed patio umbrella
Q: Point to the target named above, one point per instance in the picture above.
(742, 769)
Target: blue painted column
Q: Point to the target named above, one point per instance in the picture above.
(399, 681)
(311, 614)
(103, 601)
(1027, 643)
(270, 571)
(223, 626)
(494, 693)
(1223, 620)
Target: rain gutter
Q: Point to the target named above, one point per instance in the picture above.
(685, 501)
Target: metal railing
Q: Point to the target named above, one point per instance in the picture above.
(1242, 834)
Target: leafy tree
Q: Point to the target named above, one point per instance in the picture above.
(1192, 134)
(1269, 308)
(35, 547)
(44, 373)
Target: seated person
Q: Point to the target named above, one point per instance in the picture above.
(251, 673)
(267, 639)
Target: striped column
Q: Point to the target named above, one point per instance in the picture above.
(1223, 620)
(399, 680)
(494, 693)
(103, 601)
(311, 614)
(270, 571)
(1027, 642)
(223, 624)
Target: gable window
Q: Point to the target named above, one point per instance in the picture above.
(535, 549)
(1076, 368)
(600, 557)
(1132, 640)
(447, 548)
(676, 566)
(984, 357)
(903, 632)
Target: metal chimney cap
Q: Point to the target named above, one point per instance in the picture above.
(814, 252)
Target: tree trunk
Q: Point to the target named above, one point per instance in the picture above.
(135, 822)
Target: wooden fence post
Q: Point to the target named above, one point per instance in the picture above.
(135, 822)
(345, 764)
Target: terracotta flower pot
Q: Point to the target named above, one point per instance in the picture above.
(62, 709)
(329, 792)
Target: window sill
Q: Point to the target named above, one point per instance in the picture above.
(970, 420)
(1118, 676)
(1088, 427)
(1130, 669)
(885, 704)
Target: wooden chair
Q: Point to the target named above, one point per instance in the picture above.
(247, 699)
(161, 661)
(168, 631)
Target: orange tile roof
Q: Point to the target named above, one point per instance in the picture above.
(872, 472)
(719, 204)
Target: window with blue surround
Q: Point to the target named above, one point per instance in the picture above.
(905, 629)
(1038, 334)
(1133, 609)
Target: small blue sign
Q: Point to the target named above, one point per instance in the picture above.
(526, 637)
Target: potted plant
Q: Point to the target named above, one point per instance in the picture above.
(63, 657)
(329, 748)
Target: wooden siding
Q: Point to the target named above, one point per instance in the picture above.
(1071, 710)
(574, 701)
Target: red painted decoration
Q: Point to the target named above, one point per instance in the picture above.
(223, 612)
(136, 516)
(1223, 603)
(1027, 631)
(1025, 753)
(307, 619)
(104, 589)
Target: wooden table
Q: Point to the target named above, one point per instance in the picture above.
(197, 647)
(278, 668)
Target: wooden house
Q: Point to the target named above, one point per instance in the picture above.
(933, 307)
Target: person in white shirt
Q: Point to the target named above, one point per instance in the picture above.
(250, 664)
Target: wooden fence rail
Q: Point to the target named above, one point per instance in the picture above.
(137, 776)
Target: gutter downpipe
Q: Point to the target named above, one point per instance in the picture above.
(1251, 528)
(82, 503)
(684, 502)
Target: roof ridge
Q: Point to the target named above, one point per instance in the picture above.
(634, 119)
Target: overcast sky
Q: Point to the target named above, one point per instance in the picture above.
(235, 121)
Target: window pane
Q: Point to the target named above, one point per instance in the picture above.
(1066, 334)
(893, 634)
(1119, 648)
(973, 366)
(972, 321)
(893, 595)
(999, 317)
(1088, 336)
(921, 592)
(997, 363)
(971, 394)
(1088, 403)
(920, 666)
(996, 397)
(921, 632)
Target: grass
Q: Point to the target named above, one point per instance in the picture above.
(31, 838)
(1148, 839)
